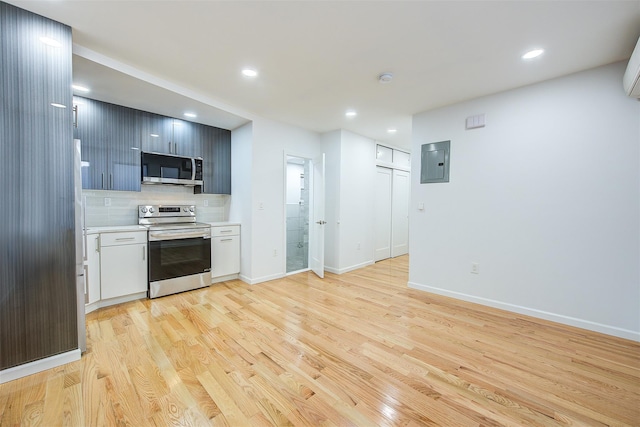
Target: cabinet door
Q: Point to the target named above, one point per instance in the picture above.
(110, 145)
(225, 256)
(216, 155)
(123, 270)
(91, 130)
(123, 148)
(183, 138)
(155, 132)
(92, 269)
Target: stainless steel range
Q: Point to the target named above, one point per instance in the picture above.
(179, 249)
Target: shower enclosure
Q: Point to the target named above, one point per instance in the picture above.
(297, 213)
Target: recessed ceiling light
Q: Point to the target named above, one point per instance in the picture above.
(350, 113)
(392, 130)
(50, 42)
(249, 72)
(533, 54)
(80, 88)
(191, 115)
(55, 104)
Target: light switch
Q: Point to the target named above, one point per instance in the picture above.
(421, 206)
(474, 122)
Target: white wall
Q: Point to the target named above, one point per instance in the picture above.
(265, 215)
(546, 198)
(350, 173)
(241, 203)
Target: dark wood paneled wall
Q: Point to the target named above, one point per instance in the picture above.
(38, 312)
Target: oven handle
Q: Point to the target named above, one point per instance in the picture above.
(156, 235)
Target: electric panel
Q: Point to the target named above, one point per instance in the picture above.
(434, 162)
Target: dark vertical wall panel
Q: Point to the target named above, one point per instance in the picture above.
(37, 251)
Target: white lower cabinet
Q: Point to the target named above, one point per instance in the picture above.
(225, 252)
(123, 264)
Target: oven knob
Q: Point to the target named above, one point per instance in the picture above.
(185, 209)
(144, 210)
(151, 210)
(191, 209)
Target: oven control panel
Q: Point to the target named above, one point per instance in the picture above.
(166, 211)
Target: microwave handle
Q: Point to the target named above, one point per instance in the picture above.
(193, 169)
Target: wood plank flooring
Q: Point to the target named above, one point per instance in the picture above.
(359, 349)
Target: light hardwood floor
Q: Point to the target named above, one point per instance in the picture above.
(356, 349)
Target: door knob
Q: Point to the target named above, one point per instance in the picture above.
(321, 222)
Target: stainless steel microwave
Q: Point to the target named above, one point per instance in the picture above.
(159, 168)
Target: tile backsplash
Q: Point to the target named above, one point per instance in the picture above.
(108, 208)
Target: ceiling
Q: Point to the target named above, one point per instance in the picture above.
(317, 59)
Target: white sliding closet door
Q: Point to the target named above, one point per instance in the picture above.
(384, 177)
(400, 212)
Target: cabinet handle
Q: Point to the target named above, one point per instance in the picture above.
(120, 239)
(102, 180)
(226, 231)
(169, 147)
(110, 181)
(98, 243)
(86, 284)
(226, 240)
(144, 253)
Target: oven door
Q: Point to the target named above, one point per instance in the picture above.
(180, 257)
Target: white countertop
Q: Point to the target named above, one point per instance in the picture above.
(115, 229)
(124, 228)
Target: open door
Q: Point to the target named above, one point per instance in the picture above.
(316, 232)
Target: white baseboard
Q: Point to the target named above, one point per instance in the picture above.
(88, 308)
(38, 366)
(224, 278)
(261, 279)
(348, 269)
(554, 317)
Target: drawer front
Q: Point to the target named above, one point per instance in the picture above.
(229, 230)
(126, 238)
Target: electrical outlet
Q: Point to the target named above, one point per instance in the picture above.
(475, 268)
(206, 202)
(261, 206)
(275, 252)
(358, 247)
(107, 201)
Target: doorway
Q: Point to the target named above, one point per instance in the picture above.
(297, 213)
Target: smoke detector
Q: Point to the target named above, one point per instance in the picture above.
(385, 77)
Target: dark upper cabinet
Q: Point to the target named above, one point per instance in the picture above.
(216, 155)
(155, 132)
(112, 137)
(161, 134)
(185, 141)
(110, 142)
